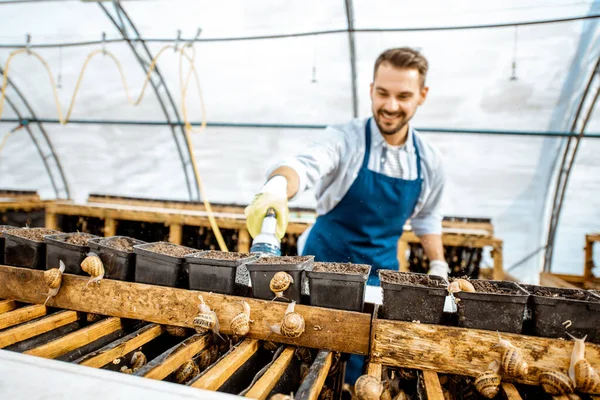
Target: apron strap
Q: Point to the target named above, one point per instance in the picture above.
(418, 153)
(365, 163)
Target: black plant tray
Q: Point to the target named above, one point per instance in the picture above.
(218, 275)
(262, 273)
(341, 291)
(23, 252)
(160, 269)
(118, 264)
(71, 254)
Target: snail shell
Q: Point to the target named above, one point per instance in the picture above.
(556, 383)
(177, 331)
(240, 324)
(53, 278)
(401, 395)
(335, 365)
(488, 383)
(280, 282)
(461, 285)
(92, 264)
(304, 355)
(204, 359)
(270, 346)
(367, 388)
(214, 353)
(512, 362)
(292, 325)
(326, 394)
(586, 378)
(205, 322)
(126, 370)
(386, 395)
(138, 360)
(90, 317)
(188, 370)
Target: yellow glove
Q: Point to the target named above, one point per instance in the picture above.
(272, 195)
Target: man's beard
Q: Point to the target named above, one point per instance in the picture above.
(401, 124)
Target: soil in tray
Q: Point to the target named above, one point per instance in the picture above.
(341, 268)
(219, 255)
(408, 279)
(488, 287)
(170, 250)
(35, 234)
(6, 228)
(570, 296)
(121, 243)
(281, 260)
(78, 239)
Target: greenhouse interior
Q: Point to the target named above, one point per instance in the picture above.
(300, 199)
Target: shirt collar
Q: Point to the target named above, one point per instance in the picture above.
(378, 140)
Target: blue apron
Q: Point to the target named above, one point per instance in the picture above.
(365, 226)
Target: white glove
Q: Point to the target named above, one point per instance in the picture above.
(439, 268)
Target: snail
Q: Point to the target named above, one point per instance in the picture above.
(280, 282)
(367, 388)
(401, 395)
(385, 394)
(270, 346)
(512, 362)
(53, 279)
(206, 320)
(240, 324)
(91, 317)
(188, 370)
(280, 396)
(92, 264)
(177, 331)
(126, 370)
(292, 324)
(214, 353)
(303, 355)
(335, 365)
(581, 372)
(407, 374)
(488, 383)
(461, 285)
(204, 359)
(138, 360)
(556, 383)
(326, 394)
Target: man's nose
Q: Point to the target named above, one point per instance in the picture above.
(392, 105)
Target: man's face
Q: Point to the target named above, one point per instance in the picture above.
(395, 95)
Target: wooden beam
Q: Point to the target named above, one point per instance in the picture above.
(243, 241)
(51, 221)
(175, 233)
(31, 329)
(216, 376)
(77, 339)
(266, 383)
(549, 279)
(374, 370)
(432, 386)
(163, 365)
(402, 258)
(21, 315)
(498, 262)
(461, 351)
(313, 383)
(456, 239)
(335, 330)
(110, 227)
(510, 391)
(7, 305)
(122, 346)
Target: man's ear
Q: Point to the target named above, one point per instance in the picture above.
(424, 92)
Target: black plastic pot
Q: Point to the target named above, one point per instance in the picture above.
(2, 229)
(118, 264)
(22, 252)
(493, 311)
(212, 274)
(550, 313)
(71, 254)
(337, 290)
(409, 302)
(261, 274)
(160, 269)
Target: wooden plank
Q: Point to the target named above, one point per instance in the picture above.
(243, 241)
(374, 370)
(110, 227)
(122, 347)
(335, 330)
(432, 386)
(21, 315)
(222, 370)
(266, 383)
(51, 221)
(510, 391)
(313, 383)
(175, 233)
(402, 258)
(172, 359)
(461, 351)
(498, 262)
(77, 339)
(549, 279)
(31, 329)
(7, 305)
(454, 239)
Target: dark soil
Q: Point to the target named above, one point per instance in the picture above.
(34, 234)
(341, 268)
(170, 249)
(222, 255)
(79, 239)
(123, 244)
(488, 287)
(411, 279)
(577, 295)
(6, 228)
(281, 260)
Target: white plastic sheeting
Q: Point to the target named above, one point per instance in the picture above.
(307, 80)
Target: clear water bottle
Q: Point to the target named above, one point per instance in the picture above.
(266, 243)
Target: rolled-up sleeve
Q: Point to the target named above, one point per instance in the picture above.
(319, 159)
(428, 220)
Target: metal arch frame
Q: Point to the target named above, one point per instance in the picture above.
(352, 47)
(568, 157)
(121, 14)
(45, 137)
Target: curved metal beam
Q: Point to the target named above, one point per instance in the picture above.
(36, 142)
(189, 177)
(352, 48)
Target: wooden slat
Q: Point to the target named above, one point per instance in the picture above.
(122, 347)
(463, 351)
(313, 383)
(335, 330)
(77, 339)
(21, 315)
(220, 372)
(510, 391)
(31, 329)
(243, 241)
(51, 221)
(175, 233)
(7, 305)
(549, 279)
(454, 239)
(498, 262)
(432, 386)
(266, 383)
(374, 370)
(162, 366)
(110, 227)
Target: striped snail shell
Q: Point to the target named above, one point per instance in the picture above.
(512, 362)
(280, 282)
(188, 370)
(240, 324)
(581, 372)
(556, 383)
(292, 325)
(204, 359)
(488, 382)
(367, 388)
(138, 360)
(303, 355)
(53, 278)
(214, 353)
(206, 320)
(92, 264)
(177, 331)
(270, 346)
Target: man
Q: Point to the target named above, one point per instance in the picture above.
(370, 176)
